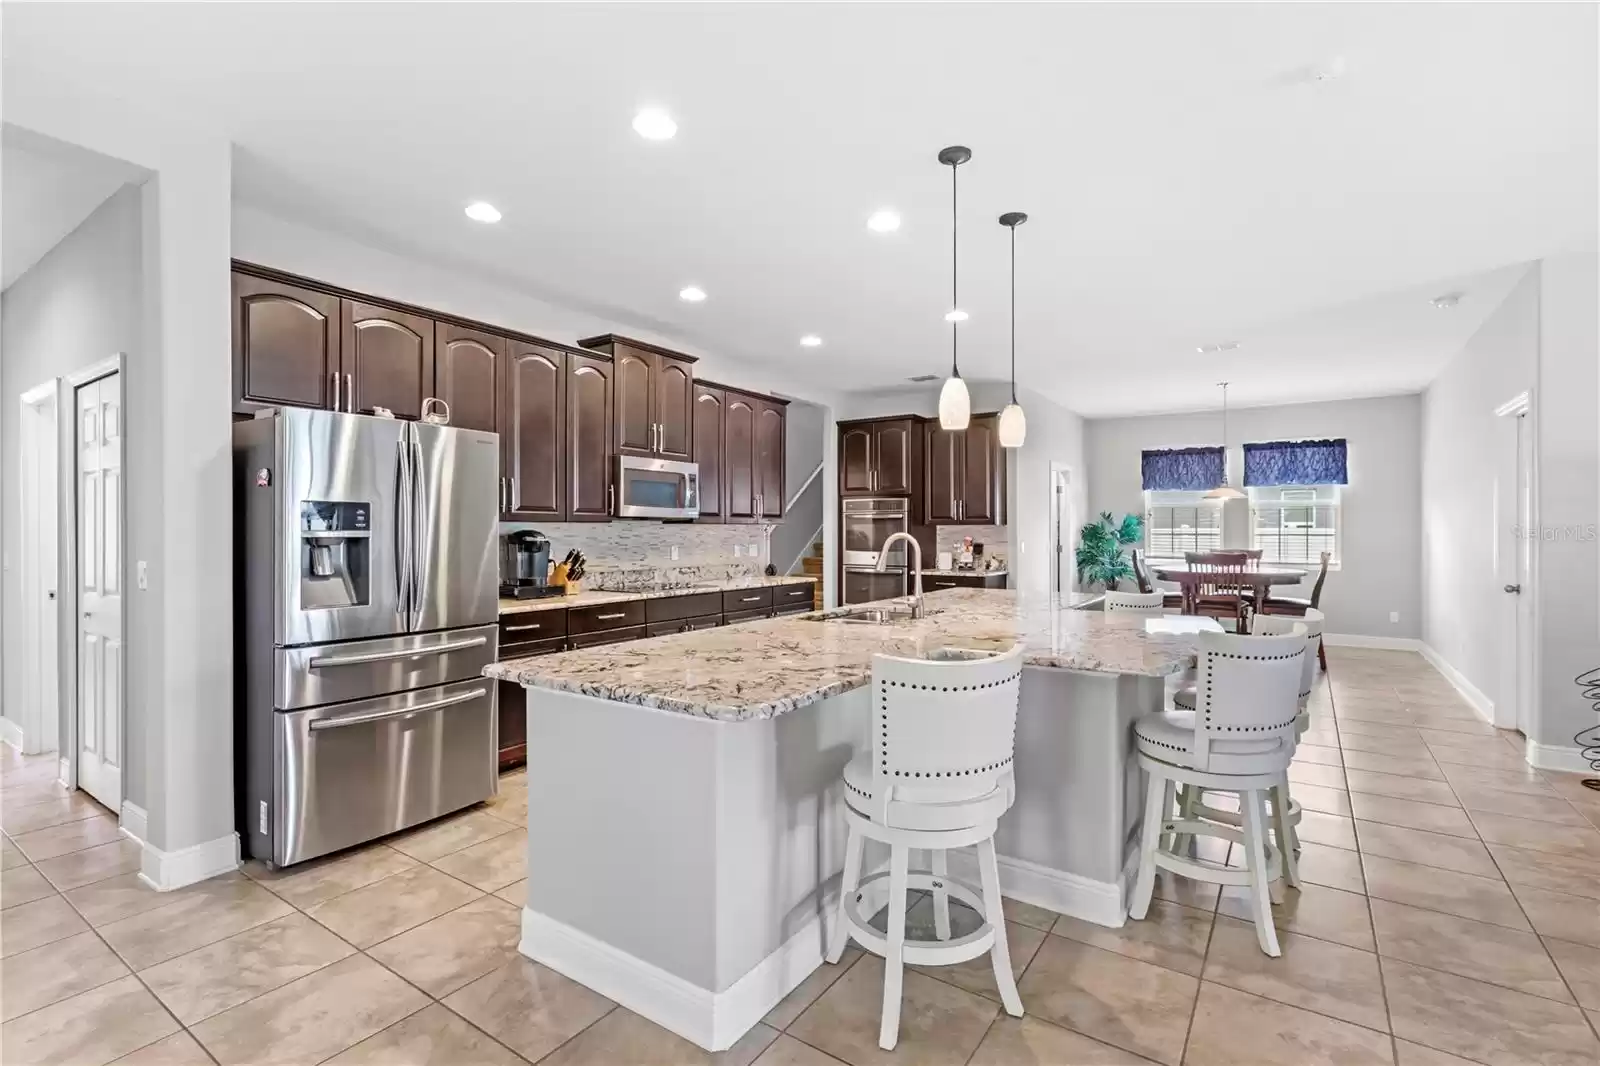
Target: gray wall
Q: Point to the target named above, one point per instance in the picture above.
(1381, 505)
(78, 305)
(1462, 600)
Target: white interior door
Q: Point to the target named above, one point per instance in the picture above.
(39, 464)
(1514, 541)
(99, 486)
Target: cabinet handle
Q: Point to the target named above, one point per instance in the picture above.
(513, 482)
(335, 376)
(503, 507)
(750, 599)
(611, 499)
(349, 394)
(523, 629)
(610, 617)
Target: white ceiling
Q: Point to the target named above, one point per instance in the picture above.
(1189, 180)
(46, 189)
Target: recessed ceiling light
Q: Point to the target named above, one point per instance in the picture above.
(1447, 301)
(653, 124)
(956, 315)
(692, 294)
(883, 222)
(482, 212)
(1213, 349)
(810, 340)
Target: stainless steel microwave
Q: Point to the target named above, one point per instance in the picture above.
(657, 488)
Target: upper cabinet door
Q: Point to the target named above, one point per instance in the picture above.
(634, 385)
(285, 345)
(468, 369)
(891, 453)
(942, 496)
(739, 458)
(387, 360)
(855, 460)
(708, 411)
(533, 442)
(770, 424)
(983, 477)
(674, 407)
(589, 438)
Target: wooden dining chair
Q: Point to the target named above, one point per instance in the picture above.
(1141, 574)
(1220, 587)
(1296, 605)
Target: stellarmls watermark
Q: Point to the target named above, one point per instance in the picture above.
(1582, 534)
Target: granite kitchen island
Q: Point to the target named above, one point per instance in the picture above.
(684, 827)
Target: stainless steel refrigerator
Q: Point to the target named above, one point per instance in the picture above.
(367, 577)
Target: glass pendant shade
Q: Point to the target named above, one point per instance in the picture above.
(955, 404)
(1013, 426)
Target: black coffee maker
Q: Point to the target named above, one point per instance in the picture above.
(525, 565)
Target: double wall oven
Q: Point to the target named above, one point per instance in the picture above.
(865, 524)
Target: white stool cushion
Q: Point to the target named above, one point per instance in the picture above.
(1169, 737)
(1184, 698)
(946, 805)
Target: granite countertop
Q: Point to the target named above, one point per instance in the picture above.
(597, 597)
(766, 668)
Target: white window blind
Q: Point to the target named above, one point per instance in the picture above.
(1177, 522)
(1295, 523)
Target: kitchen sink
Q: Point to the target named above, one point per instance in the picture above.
(878, 616)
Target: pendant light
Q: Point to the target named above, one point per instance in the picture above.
(1224, 491)
(1013, 423)
(955, 403)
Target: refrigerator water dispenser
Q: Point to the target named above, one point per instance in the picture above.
(335, 561)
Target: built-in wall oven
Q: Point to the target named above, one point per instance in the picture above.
(864, 525)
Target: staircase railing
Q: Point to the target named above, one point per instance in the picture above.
(806, 484)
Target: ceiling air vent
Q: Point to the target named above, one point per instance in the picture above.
(920, 378)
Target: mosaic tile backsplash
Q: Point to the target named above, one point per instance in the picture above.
(637, 554)
(995, 540)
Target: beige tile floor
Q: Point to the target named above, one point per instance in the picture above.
(1450, 914)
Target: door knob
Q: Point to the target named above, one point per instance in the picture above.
(1513, 588)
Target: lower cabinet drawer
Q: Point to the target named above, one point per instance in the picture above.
(785, 595)
(532, 625)
(793, 608)
(605, 636)
(735, 617)
(746, 599)
(683, 625)
(528, 648)
(675, 608)
(605, 616)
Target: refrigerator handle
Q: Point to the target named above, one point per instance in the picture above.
(418, 593)
(402, 533)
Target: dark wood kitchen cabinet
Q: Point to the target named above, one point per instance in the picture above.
(533, 445)
(468, 375)
(739, 458)
(771, 424)
(965, 474)
(386, 358)
(655, 397)
(879, 458)
(709, 407)
(285, 345)
(588, 448)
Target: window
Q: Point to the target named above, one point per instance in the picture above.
(1180, 521)
(1295, 523)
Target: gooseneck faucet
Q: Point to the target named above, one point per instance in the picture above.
(916, 563)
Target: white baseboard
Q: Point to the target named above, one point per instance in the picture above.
(1360, 640)
(1101, 902)
(1481, 705)
(711, 1020)
(167, 870)
(135, 822)
(11, 733)
(1558, 757)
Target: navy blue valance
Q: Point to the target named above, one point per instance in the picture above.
(1182, 468)
(1296, 462)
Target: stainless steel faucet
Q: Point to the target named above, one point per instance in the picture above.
(916, 563)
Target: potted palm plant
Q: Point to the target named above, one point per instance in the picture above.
(1101, 559)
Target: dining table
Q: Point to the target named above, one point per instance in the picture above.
(1259, 577)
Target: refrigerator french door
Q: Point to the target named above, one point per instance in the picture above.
(367, 592)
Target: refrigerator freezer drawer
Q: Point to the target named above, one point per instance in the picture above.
(358, 771)
(361, 669)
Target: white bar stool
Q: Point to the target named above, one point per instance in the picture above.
(1146, 603)
(1192, 802)
(1240, 739)
(938, 776)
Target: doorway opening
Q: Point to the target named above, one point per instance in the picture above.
(95, 721)
(39, 456)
